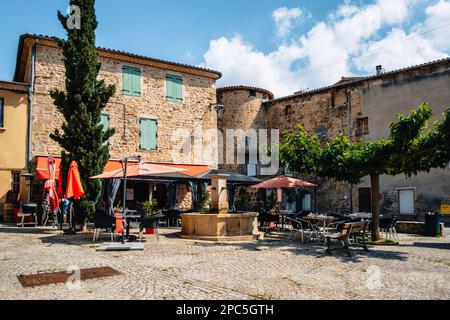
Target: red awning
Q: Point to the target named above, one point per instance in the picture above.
(189, 169)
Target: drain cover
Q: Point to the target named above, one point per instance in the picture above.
(45, 279)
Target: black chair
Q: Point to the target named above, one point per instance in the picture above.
(265, 219)
(104, 222)
(172, 217)
(151, 222)
(387, 225)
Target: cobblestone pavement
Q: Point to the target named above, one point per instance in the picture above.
(419, 268)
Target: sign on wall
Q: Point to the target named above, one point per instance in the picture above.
(445, 210)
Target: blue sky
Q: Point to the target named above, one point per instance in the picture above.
(281, 45)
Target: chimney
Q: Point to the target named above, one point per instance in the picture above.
(379, 70)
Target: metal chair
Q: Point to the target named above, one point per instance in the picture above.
(27, 211)
(387, 225)
(152, 223)
(103, 222)
(300, 226)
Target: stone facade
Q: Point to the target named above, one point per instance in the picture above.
(340, 109)
(125, 111)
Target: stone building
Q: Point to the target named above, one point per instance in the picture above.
(362, 108)
(153, 99)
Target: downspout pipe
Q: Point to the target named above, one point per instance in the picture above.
(30, 113)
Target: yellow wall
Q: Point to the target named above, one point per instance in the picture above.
(13, 141)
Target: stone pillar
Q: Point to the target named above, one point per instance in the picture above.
(219, 194)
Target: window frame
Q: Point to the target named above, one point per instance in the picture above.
(109, 123)
(362, 126)
(399, 190)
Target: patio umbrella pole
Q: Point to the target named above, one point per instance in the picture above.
(125, 168)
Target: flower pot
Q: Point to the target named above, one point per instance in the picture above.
(149, 231)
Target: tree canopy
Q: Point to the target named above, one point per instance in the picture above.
(410, 148)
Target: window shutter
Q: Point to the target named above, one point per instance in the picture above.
(105, 122)
(179, 89)
(174, 90)
(149, 134)
(136, 82)
(169, 88)
(2, 113)
(127, 81)
(153, 128)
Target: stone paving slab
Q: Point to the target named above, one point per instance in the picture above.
(419, 268)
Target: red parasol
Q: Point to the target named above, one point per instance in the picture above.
(283, 182)
(74, 187)
(50, 185)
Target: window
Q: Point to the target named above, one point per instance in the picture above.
(104, 120)
(306, 202)
(174, 88)
(131, 81)
(362, 126)
(287, 111)
(252, 93)
(149, 134)
(251, 170)
(406, 201)
(322, 132)
(2, 113)
(15, 182)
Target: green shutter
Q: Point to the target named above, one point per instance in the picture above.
(131, 81)
(105, 122)
(149, 134)
(153, 127)
(136, 82)
(174, 88)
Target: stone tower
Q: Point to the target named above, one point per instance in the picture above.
(243, 110)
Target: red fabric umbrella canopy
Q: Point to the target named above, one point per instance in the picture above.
(50, 185)
(140, 170)
(283, 182)
(74, 187)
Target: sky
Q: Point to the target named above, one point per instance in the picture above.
(281, 45)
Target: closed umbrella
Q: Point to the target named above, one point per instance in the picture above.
(74, 187)
(50, 186)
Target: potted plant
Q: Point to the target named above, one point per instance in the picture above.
(203, 201)
(150, 208)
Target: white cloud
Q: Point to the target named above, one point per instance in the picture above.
(285, 19)
(353, 40)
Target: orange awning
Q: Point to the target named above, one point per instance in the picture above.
(188, 169)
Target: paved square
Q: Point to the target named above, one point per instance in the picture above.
(419, 268)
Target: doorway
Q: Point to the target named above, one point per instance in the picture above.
(365, 200)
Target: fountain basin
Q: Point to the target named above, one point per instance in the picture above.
(220, 227)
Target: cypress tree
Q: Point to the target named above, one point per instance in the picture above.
(82, 137)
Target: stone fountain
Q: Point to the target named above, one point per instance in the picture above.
(219, 224)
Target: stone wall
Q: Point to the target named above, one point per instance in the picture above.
(125, 111)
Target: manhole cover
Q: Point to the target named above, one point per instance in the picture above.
(45, 279)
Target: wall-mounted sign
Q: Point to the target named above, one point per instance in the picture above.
(445, 210)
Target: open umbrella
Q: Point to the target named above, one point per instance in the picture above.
(144, 170)
(50, 185)
(283, 182)
(74, 187)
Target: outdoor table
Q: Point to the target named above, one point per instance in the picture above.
(364, 216)
(130, 215)
(320, 219)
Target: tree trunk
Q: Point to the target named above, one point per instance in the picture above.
(375, 184)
